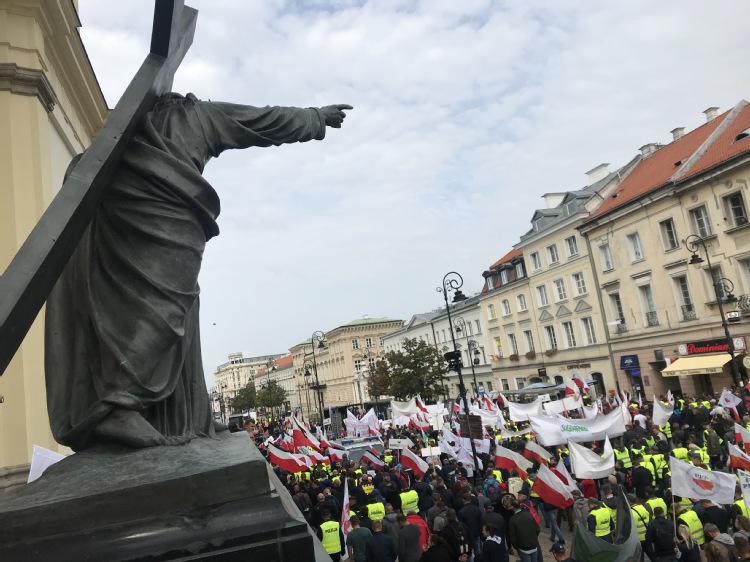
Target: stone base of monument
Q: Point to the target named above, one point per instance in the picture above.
(214, 499)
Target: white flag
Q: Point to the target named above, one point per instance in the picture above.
(446, 448)
(662, 413)
(729, 400)
(585, 463)
(745, 483)
(690, 481)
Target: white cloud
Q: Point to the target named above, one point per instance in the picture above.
(465, 114)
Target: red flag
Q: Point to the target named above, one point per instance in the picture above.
(287, 443)
(410, 460)
(581, 383)
(536, 453)
(507, 459)
(420, 404)
(336, 454)
(373, 459)
(284, 460)
(571, 389)
(303, 438)
(551, 489)
(742, 435)
(738, 458)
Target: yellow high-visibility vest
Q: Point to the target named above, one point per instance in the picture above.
(331, 541)
(642, 519)
(376, 511)
(603, 519)
(624, 456)
(409, 502)
(696, 527)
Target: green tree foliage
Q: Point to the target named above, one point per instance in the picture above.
(418, 369)
(245, 400)
(271, 395)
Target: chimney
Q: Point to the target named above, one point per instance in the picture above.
(678, 133)
(599, 172)
(711, 114)
(648, 149)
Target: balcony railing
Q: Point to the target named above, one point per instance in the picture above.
(621, 327)
(652, 318)
(688, 312)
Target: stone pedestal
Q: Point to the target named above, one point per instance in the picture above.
(213, 499)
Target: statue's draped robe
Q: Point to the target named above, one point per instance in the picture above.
(122, 322)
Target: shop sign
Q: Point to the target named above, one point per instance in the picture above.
(629, 362)
(579, 366)
(708, 346)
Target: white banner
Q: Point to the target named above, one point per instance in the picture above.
(662, 413)
(745, 484)
(560, 406)
(585, 463)
(690, 481)
(493, 419)
(521, 412)
(590, 413)
(556, 430)
(404, 408)
(507, 434)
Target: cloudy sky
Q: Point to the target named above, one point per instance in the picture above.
(465, 113)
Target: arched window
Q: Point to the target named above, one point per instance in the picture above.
(491, 311)
(506, 307)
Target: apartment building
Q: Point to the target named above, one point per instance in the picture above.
(234, 375)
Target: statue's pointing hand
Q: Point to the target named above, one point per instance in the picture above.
(334, 114)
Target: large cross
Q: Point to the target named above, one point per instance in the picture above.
(30, 277)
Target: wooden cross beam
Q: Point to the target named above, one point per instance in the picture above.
(33, 272)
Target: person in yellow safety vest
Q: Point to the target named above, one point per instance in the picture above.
(622, 454)
(666, 429)
(738, 507)
(387, 457)
(375, 509)
(660, 463)
(649, 441)
(653, 502)
(599, 521)
(690, 518)
(707, 404)
(409, 501)
(367, 485)
(637, 448)
(679, 452)
(609, 501)
(646, 463)
(696, 459)
(642, 517)
(331, 537)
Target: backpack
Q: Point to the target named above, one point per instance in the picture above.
(492, 491)
(461, 539)
(530, 509)
(664, 537)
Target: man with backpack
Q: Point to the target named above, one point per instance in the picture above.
(457, 537)
(523, 534)
(660, 537)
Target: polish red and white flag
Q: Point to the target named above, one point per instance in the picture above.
(303, 437)
(336, 454)
(420, 404)
(410, 460)
(551, 489)
(536, 453)
(373, 459)
(571, 389)
(507, 459)
(581, 383)
(287, 443)
(324, 443)
(317, 457)
(742, 435)
(286, 461)
(738, 458)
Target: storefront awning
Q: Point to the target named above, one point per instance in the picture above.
(698, 365)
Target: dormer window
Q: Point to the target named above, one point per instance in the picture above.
(505, 276)
(519, 270)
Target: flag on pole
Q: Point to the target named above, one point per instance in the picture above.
(345, 524)
(582, 384)
(742, 435)
(373, 459)
(446, 448)
(670, 398)
(662, 413)
(507, 459)
(324, 443)
(694, 482)
(336, 454)
(410, 460)
(738, 458)
(585, 463)
(567, 478)
(551, 489)
(420, 404)
(730, 400)
(286, 461)
(303, 437)
(536, 453)
(571, 389)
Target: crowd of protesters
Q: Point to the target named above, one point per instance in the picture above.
(449, 513)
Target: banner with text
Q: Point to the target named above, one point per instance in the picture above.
(557, 430)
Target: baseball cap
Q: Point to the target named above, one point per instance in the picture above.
(557, 548)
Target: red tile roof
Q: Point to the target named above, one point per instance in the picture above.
(656, 170)
(281, 363)
(514, 253)
(724, 148)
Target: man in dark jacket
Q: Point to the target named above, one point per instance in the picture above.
(471, 516)
(409, 549)
(456, 536)
(424, 491)
(381, 547)
(523, 533)
(641, 476)
(660, 537)
(494, 545)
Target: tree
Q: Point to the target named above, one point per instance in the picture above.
(271, 395)
(245, 400)
(418, 369)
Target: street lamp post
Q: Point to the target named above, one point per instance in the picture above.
(723, 290)
(452, 283)
(270, 366)
(320, 338)
(472, 347)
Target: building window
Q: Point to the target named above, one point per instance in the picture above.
(579, 282)
(560, 293)
(717, 283)
(552, 254)
(541, 291)
(479, 326)
(520, 382)
(468, 328)
(506, 307)
(588, 330)
(358, 365)
(529, 337)
(381, 340)
(489, 386)
(701, 221)
(522, 303)
(505, 276)
(519, 271)
(606, 258)
(570, 336)
(368, 342)
(491, 311)
(617, 306)
(572, 246)
(687, 309)
(634, 245)
(735, 208)
(647, 298)
(551, 337)
(513, 344)
(355, 344)
(669, 235)
(536, 261)
(371, 363)
(504, 384)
